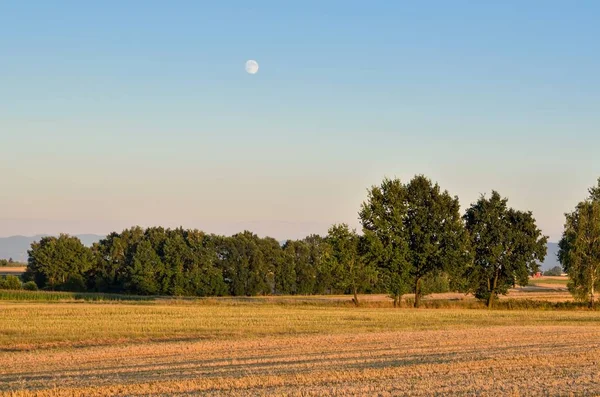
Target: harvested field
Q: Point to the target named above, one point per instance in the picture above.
(12, 271)
(87, 349)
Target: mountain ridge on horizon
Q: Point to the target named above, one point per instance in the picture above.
(16, 246)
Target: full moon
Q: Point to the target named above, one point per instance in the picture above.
(251, 66)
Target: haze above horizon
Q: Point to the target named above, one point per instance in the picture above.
(115, 114)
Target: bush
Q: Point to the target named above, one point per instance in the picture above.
(435, 283)
(75, 283)
(10, 282)
(30, 286)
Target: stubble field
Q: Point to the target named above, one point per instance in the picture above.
(264, 347)
(12, 270)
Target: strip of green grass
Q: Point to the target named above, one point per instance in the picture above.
(53, 296)
(553, 281)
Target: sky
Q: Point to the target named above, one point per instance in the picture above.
(119, 113)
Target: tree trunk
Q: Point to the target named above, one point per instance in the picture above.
(592, 292)
(492, 297)
(490, 301)
(418, 292)
(396, 300)
(355, 299)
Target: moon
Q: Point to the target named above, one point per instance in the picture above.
(251, 66)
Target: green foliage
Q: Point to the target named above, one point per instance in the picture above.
(412, 232)
(579, 251)
(52, 296)
(321, 257)
(188, 262)
(74, 283)
(437, 239)
(436, 283)
(414, 240)
(10, 262)
(55, 260)
(30, 286)
(555, 271)
(352, 272)
(296, 275)
(144, 271)
(201, 270)
(385, 238)
(507, 246)
(285, 273)
(10, 282)
(158, 261)
(245, 269)
(274, 260)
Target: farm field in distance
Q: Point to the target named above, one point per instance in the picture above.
(12, 270)
(293, 346)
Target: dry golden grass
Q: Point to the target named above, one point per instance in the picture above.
(216, 348)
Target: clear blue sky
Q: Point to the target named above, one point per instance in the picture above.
(116, 113)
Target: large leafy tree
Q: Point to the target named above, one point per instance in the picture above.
(203, 276)
(176, 258)
(113, 255)
(244, 269)
(273, 259)
(507, 247)
(143, 274)
(352, 271)
(320, 256)
(285, 273)
(297, 253)
(413, 232)
(437, 239)
(56, 262)
(382, 216)
(579, 251)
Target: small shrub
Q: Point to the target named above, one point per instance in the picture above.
(10, 282)
(30, 286)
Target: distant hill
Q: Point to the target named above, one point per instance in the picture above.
(16, 246)
(551, 257)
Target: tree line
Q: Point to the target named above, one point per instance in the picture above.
(10, 263)
(414, 240)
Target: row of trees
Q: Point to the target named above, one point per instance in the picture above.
(9, 262)
(413, 240)
(415, 230)
(189, 262)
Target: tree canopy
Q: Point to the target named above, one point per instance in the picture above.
(58, 262)
(507, 247)
(413, 239)
(413, 231)
(579, 247)
(382, 216)
(352, 272)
